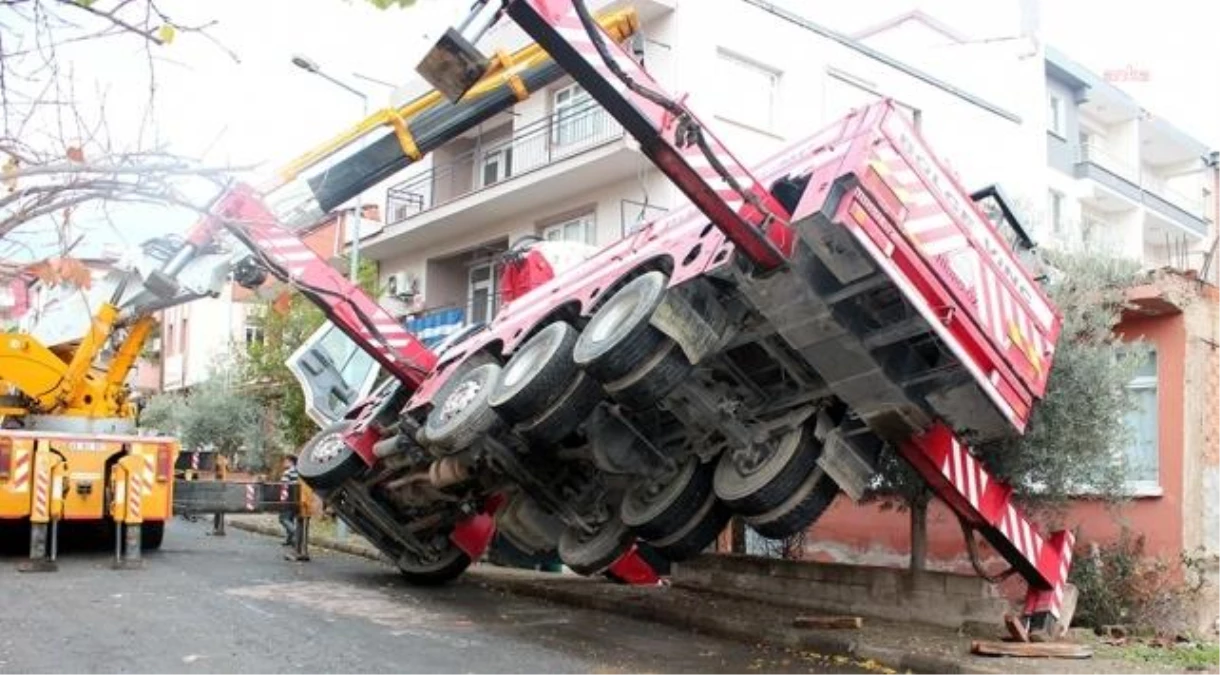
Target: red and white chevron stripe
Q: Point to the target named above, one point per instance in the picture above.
(20, 480)
(194, 461)
(1003, 316)
(251, 497)
(41, 510)
(283, 492)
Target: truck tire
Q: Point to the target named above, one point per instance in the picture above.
(619, 337)
(671, 507)
(652, 380)
(464, 415)
(327, 460)
(772, 480)
(151, 535)
(448, 567)
(574, 405)
(811, 501)
(591, 554)
(536, 374)
(698, 534)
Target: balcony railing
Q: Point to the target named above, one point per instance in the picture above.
(1094, 153)
(562, 134)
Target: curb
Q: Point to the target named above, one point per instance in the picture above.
(722, 627)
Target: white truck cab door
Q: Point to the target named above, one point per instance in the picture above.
(334, 373)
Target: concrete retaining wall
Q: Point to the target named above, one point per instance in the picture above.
(933, 598)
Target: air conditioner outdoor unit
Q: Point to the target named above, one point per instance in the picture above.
(400, 285)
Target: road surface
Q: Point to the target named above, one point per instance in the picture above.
(232, 604)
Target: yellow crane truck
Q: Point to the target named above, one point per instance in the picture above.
(70, 449)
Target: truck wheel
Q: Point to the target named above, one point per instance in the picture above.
(653, 379)
(657, 510)
(698, 534)
(464, 414)
(447, 567)
(563, 417)
(327, 460)
(800, 511)
(590, 554)
(151, 535)
(758, 481)
(618, 337)
(536, 374)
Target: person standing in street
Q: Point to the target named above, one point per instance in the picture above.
(289, 476)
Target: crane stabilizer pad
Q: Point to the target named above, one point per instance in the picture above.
(453, 65)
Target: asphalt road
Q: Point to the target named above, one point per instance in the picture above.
(205, 604)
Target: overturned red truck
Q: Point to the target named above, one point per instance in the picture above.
(750, 354)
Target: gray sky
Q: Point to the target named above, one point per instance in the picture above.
(263, 110)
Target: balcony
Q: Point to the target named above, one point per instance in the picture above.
(575, 150)
(1138, 186)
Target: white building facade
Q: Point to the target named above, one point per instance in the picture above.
(557, 166)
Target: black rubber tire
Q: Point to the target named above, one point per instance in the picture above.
(593, 555)
(652, 381)
(338, 463)
(772, 484)
(566, 414)
(442, 572)
(618, 337)
(454, 430)
(674, 507)
(708, 525)
(152, 533)
(799, 517)
(536, 374)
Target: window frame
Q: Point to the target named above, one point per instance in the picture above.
(587, 219)
(1057, 124)
(739, 61)
(1142, 383)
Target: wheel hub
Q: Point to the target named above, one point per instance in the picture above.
(328, 448)
(609, 319)
(461, 397)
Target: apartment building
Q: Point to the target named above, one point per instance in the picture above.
(557, 166)
(1123, 179)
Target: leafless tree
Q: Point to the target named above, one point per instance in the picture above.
(58, 150)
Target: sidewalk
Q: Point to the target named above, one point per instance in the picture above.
(903, 647)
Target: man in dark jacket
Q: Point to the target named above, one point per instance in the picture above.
(289, 476)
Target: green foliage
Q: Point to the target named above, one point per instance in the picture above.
(219, 416)
(214, 414)
(1076, 434)
(1120, 584)
(269, 381)
(164, 413)
(1074, 438)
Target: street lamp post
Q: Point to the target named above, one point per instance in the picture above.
(310, 66)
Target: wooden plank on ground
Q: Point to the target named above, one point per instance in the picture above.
(830, 622)
(1057, 650)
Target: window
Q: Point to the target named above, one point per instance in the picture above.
(170, 344)
(497, 165)
(577, 117)
(481, 297)
(1054, 212)
(1142, 452)
(747, 91)
(581, 229)
(254, 334)
(1054, 121)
